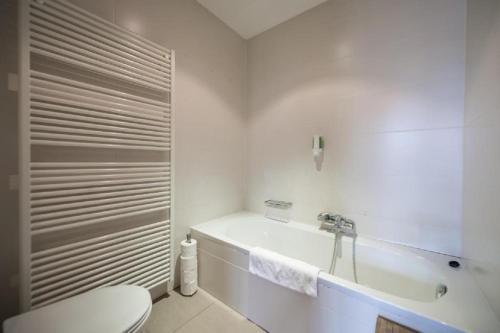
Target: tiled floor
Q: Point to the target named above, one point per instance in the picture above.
(200, 313)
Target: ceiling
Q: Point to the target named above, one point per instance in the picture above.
(251, 17)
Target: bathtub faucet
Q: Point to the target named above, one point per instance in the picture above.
(337, 224)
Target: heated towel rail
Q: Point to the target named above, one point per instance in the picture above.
(95, 154)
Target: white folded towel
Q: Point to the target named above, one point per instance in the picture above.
(285, 271)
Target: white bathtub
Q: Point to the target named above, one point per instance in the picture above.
(396, 282)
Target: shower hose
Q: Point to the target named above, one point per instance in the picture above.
(338, 243)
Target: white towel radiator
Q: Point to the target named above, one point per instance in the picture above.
(95, 154)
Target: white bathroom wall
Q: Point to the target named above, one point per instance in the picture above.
(481, 235)
(383, 82)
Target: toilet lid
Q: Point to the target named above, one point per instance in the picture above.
(116, 309)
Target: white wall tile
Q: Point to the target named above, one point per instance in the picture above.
(481, 233)
(389, 103)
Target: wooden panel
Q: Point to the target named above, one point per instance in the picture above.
(388, 326)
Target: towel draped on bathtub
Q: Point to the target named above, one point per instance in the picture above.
(285, 271)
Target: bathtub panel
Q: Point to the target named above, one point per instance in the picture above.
(348, 307)
(331, 321)
(280, 310)
(223, 280)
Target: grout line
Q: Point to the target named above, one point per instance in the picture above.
(194, 317)
(217, 302)
(375, 131)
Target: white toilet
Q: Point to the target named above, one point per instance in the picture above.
(119, 309)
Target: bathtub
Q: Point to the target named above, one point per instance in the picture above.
(400, 283)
